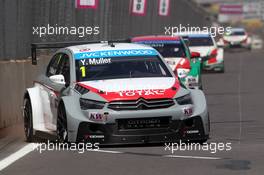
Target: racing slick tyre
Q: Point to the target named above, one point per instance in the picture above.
(28, 122)
(62, 130)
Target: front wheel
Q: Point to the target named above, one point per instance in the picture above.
(62, 130)
(28, 121)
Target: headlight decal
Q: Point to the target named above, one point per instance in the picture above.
(184, 100)
(91, 104)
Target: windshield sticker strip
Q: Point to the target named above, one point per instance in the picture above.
(158, 42)
(199, 36)
(115, 53)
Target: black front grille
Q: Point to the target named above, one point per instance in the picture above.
(141, 104)
(143, 123)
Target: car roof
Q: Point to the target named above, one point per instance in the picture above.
(106, 47)
(237, 29)
(156, 38)
(195, 34)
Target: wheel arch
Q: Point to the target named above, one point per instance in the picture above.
(36, 104)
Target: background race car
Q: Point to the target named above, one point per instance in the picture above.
(236, 38)
(212, 56)
(174, 50)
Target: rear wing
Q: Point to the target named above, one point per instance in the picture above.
(57, 45)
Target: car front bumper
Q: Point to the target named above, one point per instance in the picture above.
(236, 45)
(219, 66)
(186, 130)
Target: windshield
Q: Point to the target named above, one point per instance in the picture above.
(200, 41)
(171, 50)
(238, 33)
(120, 67)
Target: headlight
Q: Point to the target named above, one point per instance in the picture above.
(184, 100)
(91, 104)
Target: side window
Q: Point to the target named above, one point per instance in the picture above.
(64, 68)
(53, 66)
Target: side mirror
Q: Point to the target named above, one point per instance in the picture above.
(195, 55)
(59, 79)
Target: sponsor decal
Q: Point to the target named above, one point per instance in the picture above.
(94, 136)
(142, 92)
(192, 131)
(192, 82)
(84, 50)
(150, 42)
(182, 72)
(188, 111)
(98, 117)
(136, 94)
(115, 53)
(191, 79)
(171, 62)
(95, 61)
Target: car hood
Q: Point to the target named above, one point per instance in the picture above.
(173, 61)
(134, 88)
(235, 38)
(203, 50)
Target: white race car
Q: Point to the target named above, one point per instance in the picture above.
(212, 56)
(112, 93)
(236, 38)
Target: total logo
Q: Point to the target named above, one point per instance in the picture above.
(142, 92)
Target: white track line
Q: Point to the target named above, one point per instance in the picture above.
(32, 146)
(193, 157)
(17, 155)
(107, 151)
(239, 100)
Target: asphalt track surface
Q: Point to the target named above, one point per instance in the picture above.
(235, 100)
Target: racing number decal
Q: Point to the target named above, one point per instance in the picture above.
(83, 70)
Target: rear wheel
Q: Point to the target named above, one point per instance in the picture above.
(28, 122)
(62, 130)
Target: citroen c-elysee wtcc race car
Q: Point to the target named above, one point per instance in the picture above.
(185, 64)
(112, 93)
